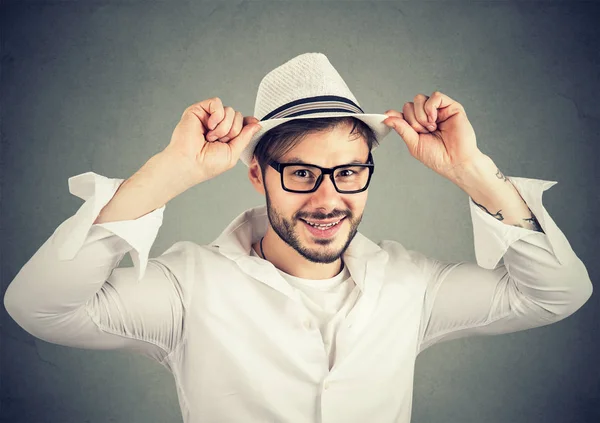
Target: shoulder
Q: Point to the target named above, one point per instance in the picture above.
(398, 253)
(188, 253)
(403, 259)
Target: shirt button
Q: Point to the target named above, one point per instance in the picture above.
(326, 385)
(307, 324)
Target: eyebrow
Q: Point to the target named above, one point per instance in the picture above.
(299, 160)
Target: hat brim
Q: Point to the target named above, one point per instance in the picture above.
(375, 122)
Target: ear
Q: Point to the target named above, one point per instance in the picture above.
(255, 175)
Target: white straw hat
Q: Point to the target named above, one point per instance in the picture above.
(307, 86)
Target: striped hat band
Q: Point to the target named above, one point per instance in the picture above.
(312, 105)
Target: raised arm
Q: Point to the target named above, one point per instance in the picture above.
(540, 282)
(71, 291)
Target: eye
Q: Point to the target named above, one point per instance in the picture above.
(346, 172)
(303, 173)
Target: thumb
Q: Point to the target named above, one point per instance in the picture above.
(239, 143)
(407, 133)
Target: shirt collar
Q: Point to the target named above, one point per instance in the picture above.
(365, 259)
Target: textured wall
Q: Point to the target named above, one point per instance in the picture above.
(100, 87)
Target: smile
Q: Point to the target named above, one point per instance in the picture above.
(323, 225)
(322, 229)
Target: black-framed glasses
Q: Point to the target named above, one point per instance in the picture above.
(305, 178)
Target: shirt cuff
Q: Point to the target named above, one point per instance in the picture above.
(492, 237)
(97, 191)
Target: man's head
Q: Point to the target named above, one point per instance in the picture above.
(325, 142)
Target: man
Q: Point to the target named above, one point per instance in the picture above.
(292, 315)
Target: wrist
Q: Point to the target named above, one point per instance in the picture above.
(168, 174)
(475, 174)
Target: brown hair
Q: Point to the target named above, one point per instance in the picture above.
(276, 142)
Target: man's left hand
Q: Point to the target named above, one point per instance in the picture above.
(448, 144)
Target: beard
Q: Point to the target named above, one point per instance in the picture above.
(288, 232)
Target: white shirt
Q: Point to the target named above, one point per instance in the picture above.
(246, 344)
(328, 301)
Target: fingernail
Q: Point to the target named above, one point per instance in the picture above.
(211, 138)
(431, 127)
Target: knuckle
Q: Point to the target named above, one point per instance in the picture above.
(248, 119)
(234, 131)
(458, 107)
(192, 109)
(220, 130)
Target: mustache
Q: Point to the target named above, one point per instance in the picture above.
(322, 216)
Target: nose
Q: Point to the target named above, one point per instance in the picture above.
(326, 197)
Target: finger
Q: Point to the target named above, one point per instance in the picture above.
(194, 116)
(223, 127)
(409, 115)
(441, 107)
(243, 139)
(401, 126)
(450, 110)
(420, 112)
(236, 127)
(431, 107)
(392, 112)
(250, 119)
(214, 107)
(190, 123)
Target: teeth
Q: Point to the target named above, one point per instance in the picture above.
(322, 226)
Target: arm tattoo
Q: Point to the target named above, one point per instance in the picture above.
(533, 223)
(498, 215)
(499, 175)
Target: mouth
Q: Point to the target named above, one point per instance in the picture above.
(323, 229)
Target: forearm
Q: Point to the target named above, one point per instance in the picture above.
(494, 193)
(158, 181)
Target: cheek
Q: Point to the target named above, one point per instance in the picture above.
(357, 203)
(285, 203)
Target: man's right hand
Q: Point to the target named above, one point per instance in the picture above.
(210, 138)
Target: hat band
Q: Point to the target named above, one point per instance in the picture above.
(313, 105)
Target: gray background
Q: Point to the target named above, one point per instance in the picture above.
(100, 86)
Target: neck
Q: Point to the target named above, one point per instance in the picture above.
(288, 260)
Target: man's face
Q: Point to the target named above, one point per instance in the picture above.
(289, 212)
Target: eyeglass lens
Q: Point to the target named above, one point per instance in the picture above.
(304, 177)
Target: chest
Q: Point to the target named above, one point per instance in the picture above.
(248, 327)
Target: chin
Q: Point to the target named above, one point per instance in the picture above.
(325, 250)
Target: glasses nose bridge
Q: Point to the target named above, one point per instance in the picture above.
(324, 173)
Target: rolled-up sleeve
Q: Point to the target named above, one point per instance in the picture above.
(97, 191)
(540, 281)
(71, 292)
